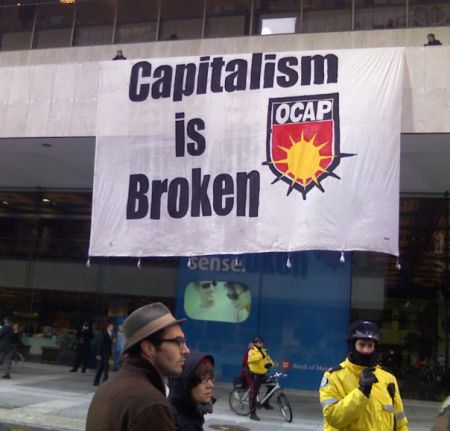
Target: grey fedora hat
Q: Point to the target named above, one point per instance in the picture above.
(146, 321)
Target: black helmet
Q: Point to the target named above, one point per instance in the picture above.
(257, 338)
(363, 329)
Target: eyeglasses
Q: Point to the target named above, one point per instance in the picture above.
(205, 379)
(180, 341)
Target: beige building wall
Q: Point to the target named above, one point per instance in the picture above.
(53, 92)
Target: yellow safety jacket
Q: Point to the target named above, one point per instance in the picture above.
(257, 360)
(346, 408)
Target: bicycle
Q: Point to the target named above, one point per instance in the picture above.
(239, 398)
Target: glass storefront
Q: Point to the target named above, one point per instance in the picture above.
(49, 287)
(409, 298)
(47, 24)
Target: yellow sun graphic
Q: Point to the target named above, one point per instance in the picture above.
(304, 164)
(303, 159)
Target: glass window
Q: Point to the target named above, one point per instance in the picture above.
(270, 16)
(429, 13)
(94, 22)
(46, 286)
(373, 14)
(326, 15)
(38, 224)
(16, 23)
(136, 21)
(410, 301)
(225, 18)
(54, 25)
(181, 22)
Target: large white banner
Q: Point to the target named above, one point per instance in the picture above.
(248, 153)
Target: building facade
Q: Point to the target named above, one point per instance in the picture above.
(50, 53)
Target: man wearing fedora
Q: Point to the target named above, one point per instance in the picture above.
(135, 398)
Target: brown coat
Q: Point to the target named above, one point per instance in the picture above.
(133, 400)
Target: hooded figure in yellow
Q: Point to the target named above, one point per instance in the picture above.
(358, 394)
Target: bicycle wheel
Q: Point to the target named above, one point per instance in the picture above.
(285, 407)
(238, 400)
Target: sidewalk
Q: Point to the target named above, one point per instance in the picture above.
(48, 397)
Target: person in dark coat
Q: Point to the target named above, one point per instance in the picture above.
(135, 398)
(432, 41)
(119, 55)
(104, 354)
(84, 337)
(191, 392)
(6, 346)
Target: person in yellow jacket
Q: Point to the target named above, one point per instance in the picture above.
(259, 363)
(358, 394)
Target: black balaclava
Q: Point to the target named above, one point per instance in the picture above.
(358, 358)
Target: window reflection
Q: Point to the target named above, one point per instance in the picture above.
(181, 22)
(371, 15)
(326, 15)
(136, 21)
(226, 18)
(16, 23)
(94, 22)
(410, 303)
(425, 13)
(54, 25)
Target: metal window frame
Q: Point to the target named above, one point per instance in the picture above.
(251, 26)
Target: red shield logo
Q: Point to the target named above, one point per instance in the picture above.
(303, 140)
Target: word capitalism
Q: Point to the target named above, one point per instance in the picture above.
(217, 75)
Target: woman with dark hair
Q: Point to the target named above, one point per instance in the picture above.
(191, 392)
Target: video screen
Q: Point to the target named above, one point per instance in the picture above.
(219, 301)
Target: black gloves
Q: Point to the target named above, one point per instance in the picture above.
(366, 380)
(268, 365)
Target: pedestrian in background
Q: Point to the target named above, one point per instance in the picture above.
(6, 346)
(359, 395)
(84, 337)
(432, 41)
(104, 354)
(191, 392)
(119, 55)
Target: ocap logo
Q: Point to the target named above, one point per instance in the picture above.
(303, 146)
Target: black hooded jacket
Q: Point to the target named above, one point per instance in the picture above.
(189, 415)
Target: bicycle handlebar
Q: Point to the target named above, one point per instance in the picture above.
(278, 375)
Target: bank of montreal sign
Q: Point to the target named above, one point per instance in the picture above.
(248, 153)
